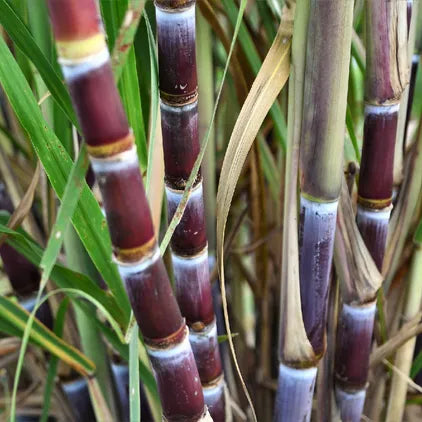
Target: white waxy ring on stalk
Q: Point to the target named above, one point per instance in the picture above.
(121, 161)
(178, 109)
(350, 404)
(381, 109)
(366, 215)
(294, 394)
(202, 338)
(175, 196)
(184, 264)
(174, 352)
(358, 313)
(74, 69)
(127, 270)
(171, 18)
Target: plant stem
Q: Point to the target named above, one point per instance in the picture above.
(386, 78)
(321, 156)
(77, 393)
(318, 118)
(404, 355)
(179, 122)
(85, 62)
(290, 290)
(205, 107)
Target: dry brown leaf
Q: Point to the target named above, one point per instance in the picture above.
(407, 331)
(24, 207)
(358, 274)
(267, 85)
(294, 344)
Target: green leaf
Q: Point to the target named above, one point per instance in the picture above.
(134, 393)
(418, 234)
(17, 317)
(114, 18)
(62, 276)
(417, 365)
(21, 36)
(54, 361)
(351, 130)
(129, 88)
(88, 219)
(71, 281)
(70, 200)
(155, 96)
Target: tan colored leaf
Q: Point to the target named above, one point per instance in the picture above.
(411, 329)
(359, 276)
(294, 344)
(267, 85)
(24, 207)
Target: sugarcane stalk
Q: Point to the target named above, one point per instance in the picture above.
(359, 282)
(354, 335)
(24, 277)
(324, 96)
(321, 157)
(120, 372)
(288, 381)
(77, 393)
(386, 79)
(179, 122)
(85, 63)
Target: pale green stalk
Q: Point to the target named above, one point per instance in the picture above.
(404, 356)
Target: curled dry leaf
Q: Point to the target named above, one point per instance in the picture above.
(267, 85)
(294, 343)
(407, 331)
(404, 209)
(358, 274)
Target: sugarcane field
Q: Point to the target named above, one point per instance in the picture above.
(210, 210)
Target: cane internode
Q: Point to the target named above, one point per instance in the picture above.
(85, 61)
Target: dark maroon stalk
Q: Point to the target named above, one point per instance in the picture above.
(24, 277)
(86, 66)
(418, 350)
(386, 78)
(353, 346)
(77, 394)
(179, 122)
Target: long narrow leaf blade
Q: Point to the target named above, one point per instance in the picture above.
(17, 317)
(22, 37)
